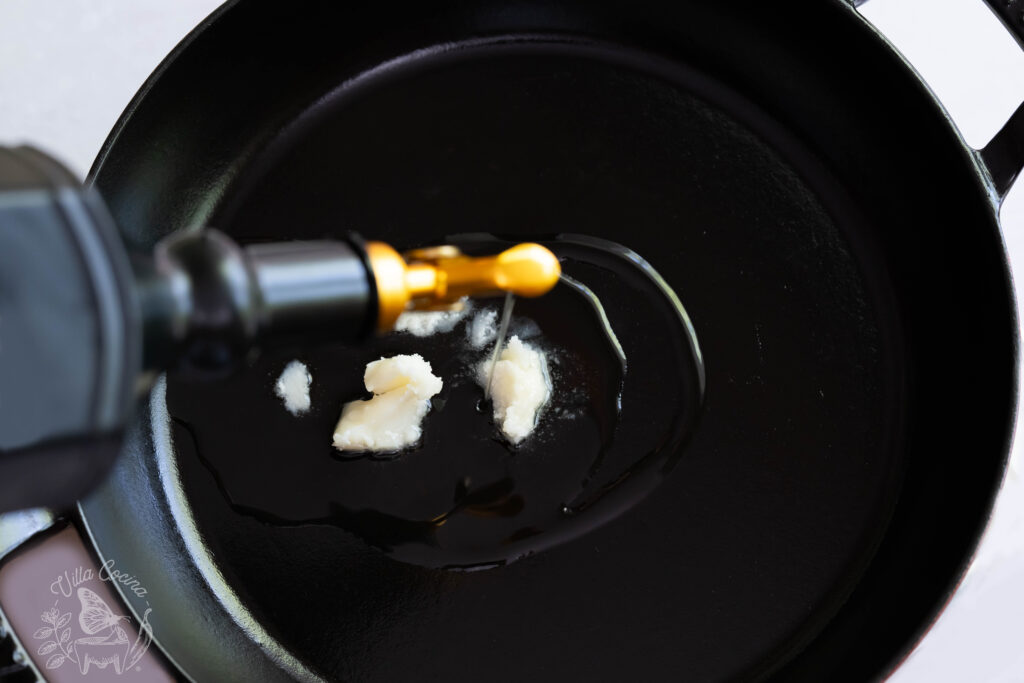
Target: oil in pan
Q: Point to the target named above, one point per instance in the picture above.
(464, 497)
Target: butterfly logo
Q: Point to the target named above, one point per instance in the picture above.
(96, 615)
(105, 643)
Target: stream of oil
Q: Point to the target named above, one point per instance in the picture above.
(500, 338)
(463, 497)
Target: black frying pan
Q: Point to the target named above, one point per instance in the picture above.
(832, 238)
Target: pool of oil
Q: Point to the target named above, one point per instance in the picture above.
(627, 380)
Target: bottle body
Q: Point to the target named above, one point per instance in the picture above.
(84, 327)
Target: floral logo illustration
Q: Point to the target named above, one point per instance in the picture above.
(105, 642)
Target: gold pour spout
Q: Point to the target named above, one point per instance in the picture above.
(440, 276)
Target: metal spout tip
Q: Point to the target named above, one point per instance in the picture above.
(439, 276)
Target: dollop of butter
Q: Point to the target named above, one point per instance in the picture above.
(427, 323)
(402, 387)
(292, 387)
(519, 388)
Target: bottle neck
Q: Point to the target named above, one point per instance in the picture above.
(207, 301)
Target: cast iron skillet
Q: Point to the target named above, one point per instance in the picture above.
(833, 239)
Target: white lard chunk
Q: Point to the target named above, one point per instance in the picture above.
(402, 387)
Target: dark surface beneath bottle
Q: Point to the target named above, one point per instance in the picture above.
(740, 553)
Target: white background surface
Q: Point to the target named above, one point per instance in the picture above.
(67, 70)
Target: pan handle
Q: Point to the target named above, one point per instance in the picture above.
(1004, 154)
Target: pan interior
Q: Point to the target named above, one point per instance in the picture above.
(780, 497)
